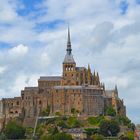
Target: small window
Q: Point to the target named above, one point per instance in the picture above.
(17, 102)
(40, 102)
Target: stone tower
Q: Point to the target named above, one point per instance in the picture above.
(69, 65)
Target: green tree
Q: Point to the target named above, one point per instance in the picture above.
(95, 120)
(124, 120)
(62, 124)
(46, 111)
(109, 128)
(132, 126)
(58, 136)
(110, 111)
(14, 130)
(97, 137)
(2, 136)
(73, 122)
(29, 132)
(58, 114)
(130, 135)
(73, 110)
(91, 131)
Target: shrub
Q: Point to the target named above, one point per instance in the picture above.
(2, 136)
(14, 130)
(58, 136)
(130, 135)
(109, 128)
(96, 120)
(91, 131)
(97, 137)
(110, 111)
(73, 122)
(46, 111)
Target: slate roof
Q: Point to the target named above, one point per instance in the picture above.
(67, 87)
(80, 68)
(69, 58)
(31, 88)
(50, 78)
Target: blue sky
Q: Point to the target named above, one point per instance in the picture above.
(106, 34)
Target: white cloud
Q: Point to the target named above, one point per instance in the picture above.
(7, 12)
(2, 69)
(18, 51)
(45, 60)
(122, 82)
(23, 80)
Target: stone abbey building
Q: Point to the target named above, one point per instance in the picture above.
(77, 88)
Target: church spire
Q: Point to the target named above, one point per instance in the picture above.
(69, 43)
(69, 57)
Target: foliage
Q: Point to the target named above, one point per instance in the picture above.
(91, 131)
(46, 111)
(62, 124)
(124, 120)
(58, 114)
(73, 122)
(130, 135)
(58, 136)
(74, 111)
(40, 129)
(29, 132)
(109, 128)
(97, 137)
(110, 111)
(95, 120)
(52, 130)
(132, 126)
(2, 136)
(123, 138)
(14, 130)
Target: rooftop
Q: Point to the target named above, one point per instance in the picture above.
(50, 78)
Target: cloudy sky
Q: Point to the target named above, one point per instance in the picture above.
(104, 33)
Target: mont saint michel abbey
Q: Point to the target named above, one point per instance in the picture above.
(77, 87)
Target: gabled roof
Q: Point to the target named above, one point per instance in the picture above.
(50, 78)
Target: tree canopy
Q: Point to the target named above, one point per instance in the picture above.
(58, 136)
(110, 111)
(109, 128)
(14, 130)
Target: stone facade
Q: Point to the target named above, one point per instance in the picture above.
(78, 88)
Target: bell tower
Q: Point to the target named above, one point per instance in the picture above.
(69, 65)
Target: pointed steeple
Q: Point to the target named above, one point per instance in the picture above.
(116, 89)
(69, 57)
(98, 79)
(89, 74)
(103, 86)
(69, 43)
(98, 76)
(94, 73)
(88, 67)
